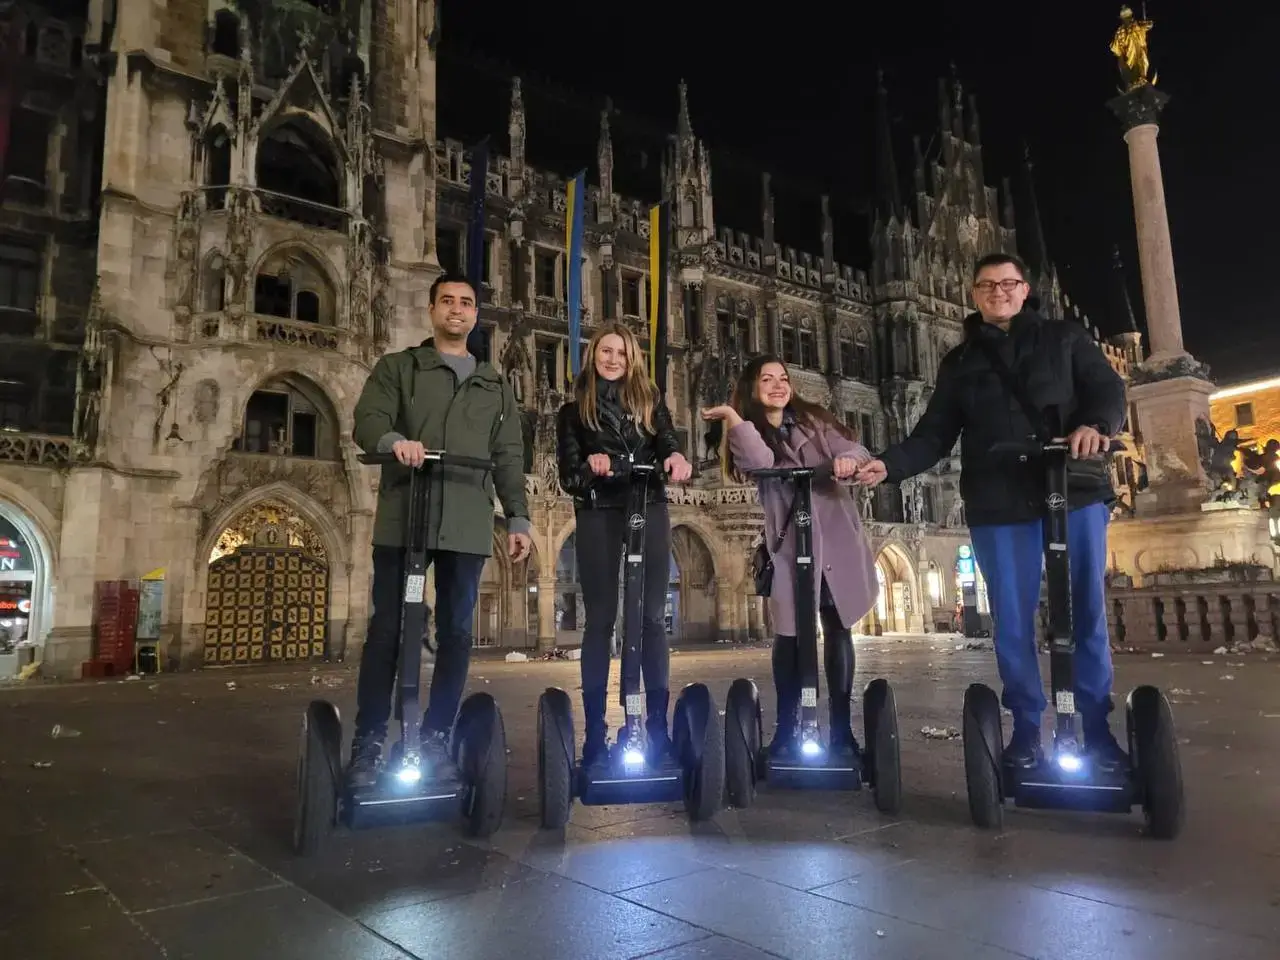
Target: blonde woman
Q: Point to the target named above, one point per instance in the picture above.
(616, 415)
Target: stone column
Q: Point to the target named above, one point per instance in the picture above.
(546, 614)
(724, 610)
(1139, 110)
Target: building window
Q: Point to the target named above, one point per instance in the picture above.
(808, 347)
(1244, 414)
(547, 354)
(790, 340)
(296, 159)
(867, 431)
(292, 287)
(449, 250)
(486, 267)
(544, 274)
(631, 296)
(28, 145)
(290, 419)
(225, 34)
(861, 369)
(19, 276)
(693, 316)
(724, 327)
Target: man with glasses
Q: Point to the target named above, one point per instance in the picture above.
(1054, 368)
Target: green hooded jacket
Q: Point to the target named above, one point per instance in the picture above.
(415, 394)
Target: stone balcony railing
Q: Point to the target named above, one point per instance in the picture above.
(1194, 617)
(262, 328)
(38, 449)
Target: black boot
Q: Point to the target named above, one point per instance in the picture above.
(655, 726)
(595, 747)
(366, 758)
(838, 654)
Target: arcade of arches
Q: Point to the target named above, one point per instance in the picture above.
(268, 593)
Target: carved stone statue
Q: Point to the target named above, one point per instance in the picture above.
(381, 305)
(955, 516)
(1217, 456)
(1130, 48)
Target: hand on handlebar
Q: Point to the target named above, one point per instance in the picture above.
(601, 464)
(843, 468)
(411, 453)
(1086, 442)
(678, 468)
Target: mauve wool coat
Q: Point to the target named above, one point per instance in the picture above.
(841, 552)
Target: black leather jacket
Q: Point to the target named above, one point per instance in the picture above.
(620, 437)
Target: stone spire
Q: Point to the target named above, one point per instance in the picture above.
(604, 158)
(888, 197)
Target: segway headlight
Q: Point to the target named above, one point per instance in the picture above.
(409, 774)
(810, 748)
(1069, 761)
(632, 758)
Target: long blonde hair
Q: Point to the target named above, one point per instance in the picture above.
(636, 392)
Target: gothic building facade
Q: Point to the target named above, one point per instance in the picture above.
(267, 199)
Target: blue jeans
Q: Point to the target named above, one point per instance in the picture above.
(1011, 559)
(457, 577)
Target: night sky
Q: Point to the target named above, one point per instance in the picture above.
(791, 88)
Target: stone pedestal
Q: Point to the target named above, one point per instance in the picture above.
(1191, 540)
(1166, 412)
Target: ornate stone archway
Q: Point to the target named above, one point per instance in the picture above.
(267, 598)
(898, 604)
(692, 597)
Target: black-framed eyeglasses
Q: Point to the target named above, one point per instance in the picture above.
(1008, 285)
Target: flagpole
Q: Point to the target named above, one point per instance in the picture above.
(575, 204)
(477, 340)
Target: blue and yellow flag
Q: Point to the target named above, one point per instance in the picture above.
(575, 196)
(659, 321)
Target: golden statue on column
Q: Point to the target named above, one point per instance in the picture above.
(1130, 48)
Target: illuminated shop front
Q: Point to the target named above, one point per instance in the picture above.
(967, 572)
(24, 591)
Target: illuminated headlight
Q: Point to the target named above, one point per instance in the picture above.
(810, 748)
(631, 757)
(409, 774)
(1070, 762)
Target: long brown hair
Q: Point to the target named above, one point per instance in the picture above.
(746, 401)
(636, 392)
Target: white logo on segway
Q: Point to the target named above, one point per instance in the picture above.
(636, 521)
(1056, 501)
(802, 519)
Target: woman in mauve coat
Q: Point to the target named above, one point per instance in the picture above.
(767, 425)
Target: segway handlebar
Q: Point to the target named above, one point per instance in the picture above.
(821, 472)
(432, 456)
(624, 469)
(1037, 448)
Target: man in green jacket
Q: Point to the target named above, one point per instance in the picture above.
(435, 397)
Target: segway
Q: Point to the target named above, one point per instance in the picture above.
(473, 786)
(692, 772)
(1066, 779)
(813, 766)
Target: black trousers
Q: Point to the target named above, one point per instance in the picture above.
(599, 541)
(457, 577)
(838, 661)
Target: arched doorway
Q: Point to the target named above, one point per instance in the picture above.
(570, 614)
(25, 589)
(896, 601)
(691, 602)
(268, 594)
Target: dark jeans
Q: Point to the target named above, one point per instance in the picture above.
(457, 586)
(599, 544)
(838, 660)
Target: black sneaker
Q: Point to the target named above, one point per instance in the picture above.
(596, 747)
(843, 742)
(366, 758)
(1104, 752)
(785, 740)
(1024, 750)
(436, 761)
(660, 746)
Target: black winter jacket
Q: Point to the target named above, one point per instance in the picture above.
(620, 437)
(1059, 366)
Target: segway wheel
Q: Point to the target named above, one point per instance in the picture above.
(319, 777)
(481, 744)
(699, 744)
(983, 746)
(555, 758)
(742, 736)
(1157, 767)
(882, 757)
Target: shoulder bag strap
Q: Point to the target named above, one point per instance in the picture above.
(1015, 389)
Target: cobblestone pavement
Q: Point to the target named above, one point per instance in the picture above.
(157, 823)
